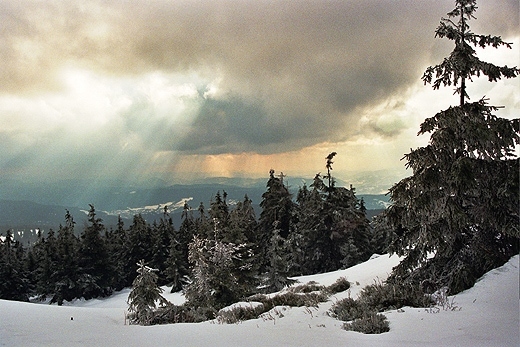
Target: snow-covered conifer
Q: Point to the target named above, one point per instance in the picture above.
(277, 270)
(214, 281)
(461, 203)
(145, 295)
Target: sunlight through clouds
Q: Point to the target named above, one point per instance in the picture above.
(141, 90)
(120, 121)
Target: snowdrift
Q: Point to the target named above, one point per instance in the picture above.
(488, 316)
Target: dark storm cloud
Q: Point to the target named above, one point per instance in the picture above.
(227, 125)
(291, 73)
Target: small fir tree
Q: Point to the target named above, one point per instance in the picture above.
(198, 292)
(213, 281)
(219, 212)
(176, 269)
(138, 246)
(145, 296)
(46, 257)
(308, 242)
(203, 225)
(242, 224)
(277, 270)
(116, 240)
(162, 234)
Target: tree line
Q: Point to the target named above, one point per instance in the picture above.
(217, 255)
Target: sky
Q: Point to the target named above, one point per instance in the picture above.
(174, 90)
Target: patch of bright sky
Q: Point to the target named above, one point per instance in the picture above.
(384, 148)
(119, 122)
(87, 102)
(506, 92)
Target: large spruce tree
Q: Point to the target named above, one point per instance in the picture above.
(456, 217)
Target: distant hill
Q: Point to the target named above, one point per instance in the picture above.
(26, 217)
(113, 195)
(43, 207)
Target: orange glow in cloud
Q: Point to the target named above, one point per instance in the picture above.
(352, 157)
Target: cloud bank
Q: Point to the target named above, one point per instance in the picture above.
(143, 83)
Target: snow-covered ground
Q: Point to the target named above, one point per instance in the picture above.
(488, 316)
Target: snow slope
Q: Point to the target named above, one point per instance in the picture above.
(489, 316)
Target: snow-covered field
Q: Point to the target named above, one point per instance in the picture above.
(488, 316)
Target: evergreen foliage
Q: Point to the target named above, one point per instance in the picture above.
(242, 225)
(138, 246)
(277, 206)
(45, 255)
(93, 259)
(222, 260)
(461, 203)
(333, 231)
(13, 283)
(65, 270)
(463, 63)
(162, 234)
(218, 257)
(177, 262)
(277, 270)
(203, 223)
(213, 282)
(219, 214)
(382, 234)
(145, 295)
(116, 241)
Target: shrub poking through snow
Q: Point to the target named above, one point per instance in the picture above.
(348, 309)
(371, 323)
(170, 314)
(308, 287)
(290, 299)
(390, 296)
(339, 286)
(363, 315)
(239, 313)
(443, 302)
(261, 304)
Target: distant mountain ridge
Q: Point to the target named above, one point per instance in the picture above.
(113, 195)
(44, 207)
